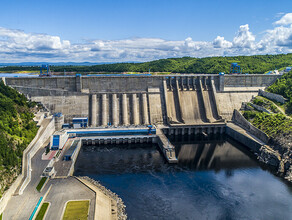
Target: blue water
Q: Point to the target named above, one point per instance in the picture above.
(214, 180)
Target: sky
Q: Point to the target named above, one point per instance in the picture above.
(141, 30)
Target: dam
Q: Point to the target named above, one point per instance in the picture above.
(175, 104)
(181, 99)
(189, 115)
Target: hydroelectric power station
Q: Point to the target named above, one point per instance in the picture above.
(174, 104)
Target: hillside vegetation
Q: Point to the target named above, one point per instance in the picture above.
(250, 64)
(17, 129)
(283, 86)
(276, 125)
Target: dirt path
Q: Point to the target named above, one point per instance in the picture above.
(280, 109)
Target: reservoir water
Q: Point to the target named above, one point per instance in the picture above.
(215, 179)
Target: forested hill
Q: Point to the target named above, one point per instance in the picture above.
(249, 64)
(283, 86)
(17, 129)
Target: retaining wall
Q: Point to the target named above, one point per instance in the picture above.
(250, 80)
(41, 138)
(238, 118)
(260, 108)
(272, 96)
(242, 138)
(36, 144)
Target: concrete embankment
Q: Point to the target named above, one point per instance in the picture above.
(267, 150)
(166, 147)
(245, 138)
(108, 204)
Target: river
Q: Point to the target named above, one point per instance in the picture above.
(215, 179)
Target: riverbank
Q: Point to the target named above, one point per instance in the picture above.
(274, 133)
(101, 209)
(215, 178)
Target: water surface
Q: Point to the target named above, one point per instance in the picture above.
(215, 179)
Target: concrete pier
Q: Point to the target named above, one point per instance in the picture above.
(135, 110)
(145, 109)
(114, 110)
(125, 109)
(166, 147)
(104, 115)
(93, 110)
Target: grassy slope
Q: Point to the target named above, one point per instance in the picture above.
(277, 126)
(283, 86)
(17, 129)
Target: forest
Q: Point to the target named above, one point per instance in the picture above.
(275, 125)
(283, 86)
(17, 129)
(257, 64)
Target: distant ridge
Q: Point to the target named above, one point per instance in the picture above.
(209, 65)
(54, 63)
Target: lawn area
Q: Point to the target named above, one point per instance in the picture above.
(41, 183)
(42, 211)
(76, 210)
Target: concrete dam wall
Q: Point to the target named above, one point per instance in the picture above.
(133, 100)
(191, 101)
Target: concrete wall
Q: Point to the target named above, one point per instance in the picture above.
(119, 84)
(69, 105)
(251, 80)
(260, 108)
(243, 139)
(136, 83)
(241, 121)
(189, 98)
(228, 101)
(44, 134)
(272, 96)
(66, 83)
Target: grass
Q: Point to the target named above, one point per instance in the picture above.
(1, 216)
(41, 183)
(42, 211)
(76, 210)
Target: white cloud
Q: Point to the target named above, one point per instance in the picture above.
(244, 38)
(18, 46)
(285, 20)
(220, 42)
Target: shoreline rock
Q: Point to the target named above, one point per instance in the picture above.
(279, 157)
(121, 207)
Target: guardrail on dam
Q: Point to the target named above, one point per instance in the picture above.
(133, 100)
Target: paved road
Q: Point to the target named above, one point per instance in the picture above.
(64, 190)
(21, 206)
(280, 109)
(44, 123)
(63, 167)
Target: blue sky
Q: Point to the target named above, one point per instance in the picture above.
(128, 30)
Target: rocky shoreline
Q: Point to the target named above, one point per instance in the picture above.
(121, 207)
(278, 154)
